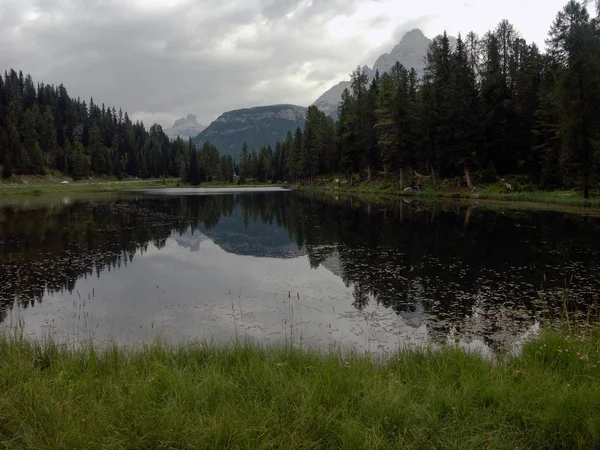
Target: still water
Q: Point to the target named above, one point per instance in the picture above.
(287, 266)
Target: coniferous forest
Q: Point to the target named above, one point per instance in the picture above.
(487, 107)
(43, 129)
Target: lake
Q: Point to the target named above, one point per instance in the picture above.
(280, 266)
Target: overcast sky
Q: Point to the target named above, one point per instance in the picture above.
(162, 59)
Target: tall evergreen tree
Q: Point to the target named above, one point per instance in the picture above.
(575, 44)
(194, 166)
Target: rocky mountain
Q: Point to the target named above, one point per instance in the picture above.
(185, 128)
(263, 125)
(269, 124)
(330, 100)
(410, 52)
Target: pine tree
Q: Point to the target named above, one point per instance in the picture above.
(31, 147)
(575, 45)
(494, 96)
(347, 136)
(48, 141)
(244, 163)
(371, 153)
(80, 162)
(466, 139)
(295, 153)
(194, 166)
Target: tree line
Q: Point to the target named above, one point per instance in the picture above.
(43, 129)
(494, 105)
(485, 107)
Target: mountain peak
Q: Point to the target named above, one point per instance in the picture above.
(185, 127)
(410, 52)
(414, 35)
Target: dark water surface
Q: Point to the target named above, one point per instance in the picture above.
(290, 266)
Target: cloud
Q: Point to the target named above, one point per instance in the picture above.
(161, 59)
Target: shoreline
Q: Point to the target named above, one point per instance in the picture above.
(48, 188)
(386, 189)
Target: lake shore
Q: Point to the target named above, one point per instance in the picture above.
(49, 186)
(387, 188)
(247, 396)
(377, 190)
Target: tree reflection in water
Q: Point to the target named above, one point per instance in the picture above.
(454, 268)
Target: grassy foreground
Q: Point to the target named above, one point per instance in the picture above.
(245, 396)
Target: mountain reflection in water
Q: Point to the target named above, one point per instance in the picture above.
(283, 265)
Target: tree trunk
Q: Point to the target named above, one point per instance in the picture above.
(586, 191)
(468, 216)
(401, 179)
(369, 174)
(349, 178)
(468, 179)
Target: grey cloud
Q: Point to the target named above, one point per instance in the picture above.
(377, 22)
(164, 64)
(317, 75)
(277, 9)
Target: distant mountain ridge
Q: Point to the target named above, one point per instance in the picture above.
(185, 128)
(258, 126)
(266, 125)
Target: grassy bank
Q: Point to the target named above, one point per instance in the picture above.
(244, 396)
(518, 192)
(49, 186)
(43, 187)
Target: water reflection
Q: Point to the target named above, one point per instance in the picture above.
(292, 265)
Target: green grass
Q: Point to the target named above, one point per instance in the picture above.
(46, 188)
(247, 396)
(37, 187)
(522, 193)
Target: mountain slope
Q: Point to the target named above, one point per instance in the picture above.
(263, 125)
(185, 128)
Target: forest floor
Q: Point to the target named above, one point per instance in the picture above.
(507, 190)
(244, 395)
